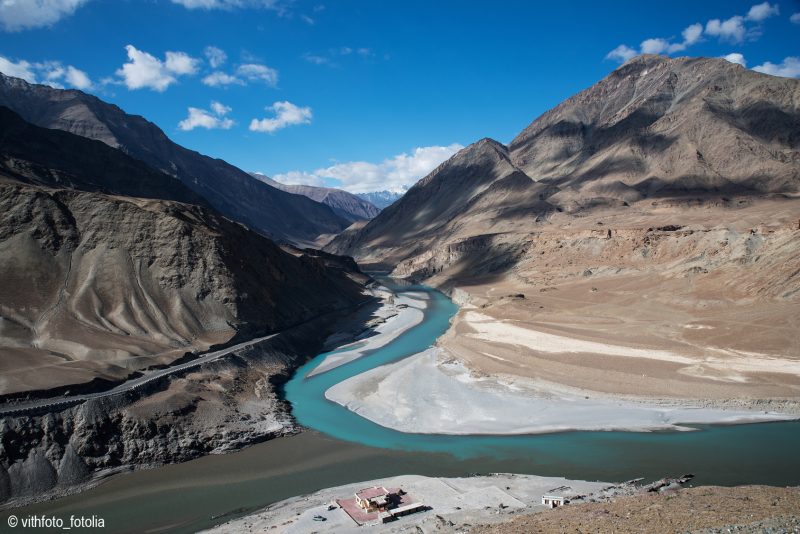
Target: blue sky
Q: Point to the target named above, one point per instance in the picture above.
(366, 95)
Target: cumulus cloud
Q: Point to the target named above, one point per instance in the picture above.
(622, 53)
(763, 11)
(181, 63)
(51, 73)
(77, 78)
(286, 114)
(16, 15)
(210, 120)
(258, 73)
(788, 68)
(732, 30)
(654, 46)
(219, 78)
(216, 56)
(144, 70)
(19, 69)
(393, 174)
(795, 18)
(737, 58)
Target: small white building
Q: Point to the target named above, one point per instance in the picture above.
(554, 501)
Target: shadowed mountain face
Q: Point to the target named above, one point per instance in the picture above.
(97, 281)
(54, 158)
(233, 192)
(344, 204)
(654, 129)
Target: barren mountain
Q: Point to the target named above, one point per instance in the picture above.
(657, 209)
(654, 128)
(97, 284)
(344, 204)
(233, 192)
(54, 158)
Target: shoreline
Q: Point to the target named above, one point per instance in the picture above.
(480, 499)
(429, 393)
(397, 315)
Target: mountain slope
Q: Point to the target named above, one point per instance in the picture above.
(233, 192)
(97, 282)
(654, 128)
(55, 158)
(344, 204)
(667, 127)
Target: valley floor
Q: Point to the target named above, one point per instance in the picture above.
(615, 320)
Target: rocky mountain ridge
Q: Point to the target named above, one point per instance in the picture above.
(231, 191)
(656, 129)
(344, 204)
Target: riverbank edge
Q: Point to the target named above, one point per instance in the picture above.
(345, 331)
(464, 499)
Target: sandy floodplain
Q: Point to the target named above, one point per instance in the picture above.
(452, 501)
(398, 314)
(423, 394)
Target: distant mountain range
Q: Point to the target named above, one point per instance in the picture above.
(380, 199)
(233, 192)
(346, 205)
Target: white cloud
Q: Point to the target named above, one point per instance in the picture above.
(256, 72)
(331, 56)
(274, 5)
(16, 15)
(286, 114)
(393, 174)
(300, 178)
(731, 30)
(144, 70)
(762, 11)
(20, 69)
(654, 46)
(216, 56)
(795, 18)
(737, 58)
(210, 120)
(218, 78)
(77, 78)
(622, 54)
(317, 60)
(788, 68)
(692, 34)
(220, 109)
(50, 73)
(181, 63)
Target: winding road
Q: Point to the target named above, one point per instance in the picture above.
(129, 385)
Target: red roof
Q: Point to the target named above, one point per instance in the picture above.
(371, 493)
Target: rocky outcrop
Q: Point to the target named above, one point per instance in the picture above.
(220, 407)
(231, 191)
(95, 285)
